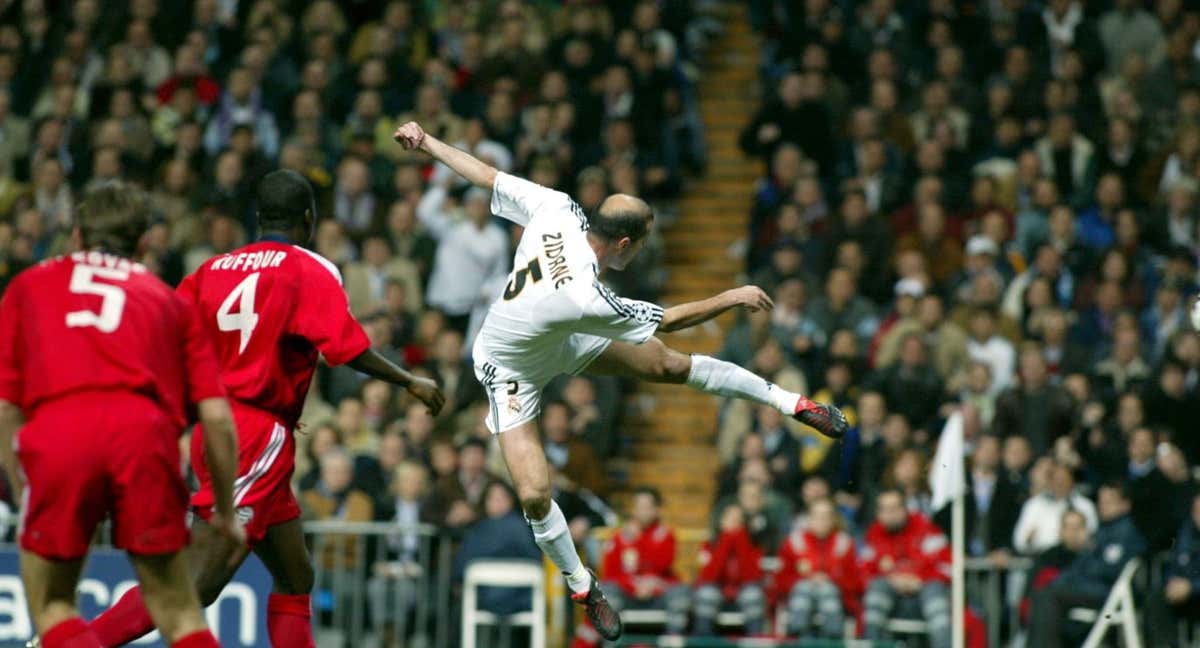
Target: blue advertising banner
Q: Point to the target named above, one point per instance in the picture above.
(239, 616)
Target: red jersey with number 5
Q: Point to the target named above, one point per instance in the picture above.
(93, 321)
(270, 309)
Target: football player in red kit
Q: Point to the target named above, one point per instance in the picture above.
(106, 364)
(270, 308)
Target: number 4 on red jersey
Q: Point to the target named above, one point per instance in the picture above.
(270, 309)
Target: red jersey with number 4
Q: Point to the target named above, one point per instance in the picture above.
(270, 309)
(98, 322)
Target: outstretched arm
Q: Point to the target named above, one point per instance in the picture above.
(412, 137)
(687, 315)
(377, 366)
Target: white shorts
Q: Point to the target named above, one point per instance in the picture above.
(515, 396)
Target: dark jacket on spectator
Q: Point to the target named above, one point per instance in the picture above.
(991, 529)
(1184, 559)
(1154, 507)
(503, 537)
(1115, 543)
(1040, 415)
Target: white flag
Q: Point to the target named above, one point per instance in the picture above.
(946, 472)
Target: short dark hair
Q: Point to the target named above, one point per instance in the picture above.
(650, 491)
(283, 198)
(473, 443)
(614, 224)
(1121, 486)
(113, 216)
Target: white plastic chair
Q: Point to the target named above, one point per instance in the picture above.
(504, 573)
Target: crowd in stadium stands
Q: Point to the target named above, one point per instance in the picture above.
(989, 204)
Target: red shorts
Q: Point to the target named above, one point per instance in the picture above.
(262, 492)
(93, 454)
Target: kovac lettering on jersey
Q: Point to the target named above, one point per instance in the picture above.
(560, 272)
(249, 261)
(105, 260)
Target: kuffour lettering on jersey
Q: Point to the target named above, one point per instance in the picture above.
(106, 260)
(560, 272)
(249, 261)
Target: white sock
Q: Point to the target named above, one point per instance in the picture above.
(553, 536)
(714, 376)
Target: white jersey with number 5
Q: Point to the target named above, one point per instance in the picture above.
(554, 316)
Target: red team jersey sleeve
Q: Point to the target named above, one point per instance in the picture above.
(322, 315)
(10, 344)
(203, 370)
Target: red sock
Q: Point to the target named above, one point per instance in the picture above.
(124, 622)
(289, 620)
(198, 639)
(72, 633)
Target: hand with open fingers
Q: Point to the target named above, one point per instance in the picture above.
(428, 392)
(752, 298)
(410, 135)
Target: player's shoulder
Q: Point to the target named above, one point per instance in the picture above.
(317, 264)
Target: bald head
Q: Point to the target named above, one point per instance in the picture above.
(621, 216)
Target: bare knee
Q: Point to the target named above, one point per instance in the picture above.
(667, 365)
(299, 580)
(536, 503)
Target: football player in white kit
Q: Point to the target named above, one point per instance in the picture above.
(556, 317)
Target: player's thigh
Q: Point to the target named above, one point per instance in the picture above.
(212, 560)
(285, 554)
(49, 584)
(652, 361)
(526, 460)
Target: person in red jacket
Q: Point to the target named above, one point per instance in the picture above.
(638, 564)
(818, 574)
(906, 561)
(730, 573)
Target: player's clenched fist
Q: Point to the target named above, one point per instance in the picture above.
(752, 298)
(410, 135)
(427, 392)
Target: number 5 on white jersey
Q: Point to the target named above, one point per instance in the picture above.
(245, 319)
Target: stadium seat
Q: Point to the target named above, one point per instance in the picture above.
(504, 573)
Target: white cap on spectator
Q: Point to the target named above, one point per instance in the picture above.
(910, 287)
(980, 244)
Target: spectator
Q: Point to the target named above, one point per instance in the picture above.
(570, 455)
(841, 307)
(638, 563)
(335, 498)
(906, 562)
(988, 346)
(795, 118)
(911, 386)
(1035, 408)
(993, 504)
(501, 533)
(730, 574)
(472, 256)
(367, 281)
(458, 500)
(1039, 525)
(1087, 580)
(1151, 494)
(1048, 564)
(818, 574)
(1182, 589)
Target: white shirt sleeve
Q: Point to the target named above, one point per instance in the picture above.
(519, 200)
(590, 307)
